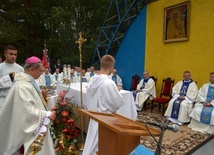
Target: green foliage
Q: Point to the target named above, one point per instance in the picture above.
(27, 24)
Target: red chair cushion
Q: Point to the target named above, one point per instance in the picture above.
(161, 100)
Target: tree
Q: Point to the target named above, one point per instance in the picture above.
(27, 24)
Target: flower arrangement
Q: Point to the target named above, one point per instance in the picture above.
(64, 128)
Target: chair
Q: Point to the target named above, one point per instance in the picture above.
(134, 83)
(165, 95)
(148, 101)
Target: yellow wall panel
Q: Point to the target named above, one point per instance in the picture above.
(172, 59)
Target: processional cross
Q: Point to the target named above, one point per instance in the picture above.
(80, 41)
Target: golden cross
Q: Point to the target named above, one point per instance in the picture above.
(80, 40)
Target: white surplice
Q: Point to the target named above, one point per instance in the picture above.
(5, 80)
(148, 91)
(186, 105)
(102, 95)
(195, 123)
(22, 114)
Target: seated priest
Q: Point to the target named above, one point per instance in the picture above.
(184, 94)
(145, 89)
(116, 78)
(90, 73)
(203, 114)
(84, 79)
(46, 79)
(58, 76)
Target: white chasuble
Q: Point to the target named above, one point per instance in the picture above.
(186, 105)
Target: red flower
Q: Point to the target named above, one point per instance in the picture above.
(65, 130)
(59, 99)
(73, 125)
(62, 93)
(64, 120)
(64, 113)
(75, 134)
(57, 122)
(63, 103)
(66, 124)
(70, 120)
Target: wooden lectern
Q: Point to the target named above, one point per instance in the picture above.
(118, 135)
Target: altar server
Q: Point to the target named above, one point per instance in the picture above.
(7, 71)
(102, 95)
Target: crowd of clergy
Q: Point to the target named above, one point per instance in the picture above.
(188, 105)
(49, 79)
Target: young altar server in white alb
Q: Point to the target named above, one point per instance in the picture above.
(203, 114)
(146, 88)
(102, 95)
(7, 71)
(184, 94)
(24, 116)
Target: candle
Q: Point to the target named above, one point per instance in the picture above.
(64, 72)
(69, 72)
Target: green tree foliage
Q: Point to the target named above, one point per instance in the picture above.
(28, 23)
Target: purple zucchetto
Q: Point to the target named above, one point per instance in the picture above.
(33, 60)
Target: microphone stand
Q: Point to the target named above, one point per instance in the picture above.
(158, 150)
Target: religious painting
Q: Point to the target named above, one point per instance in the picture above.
(176, 22)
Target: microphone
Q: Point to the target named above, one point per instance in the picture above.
(173, 127)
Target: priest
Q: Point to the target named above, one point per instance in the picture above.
(145, 89)
(102, 95)
(203, 114)
(184, 94)
(24, 117)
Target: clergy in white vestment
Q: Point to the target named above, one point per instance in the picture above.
(84, 79)
(73, 77)
(184, 94)
(91, 73)
(7, 71)
(58, 76)
(145, 89)
(203, 114)
(116, 78)
(46, 79)
(24, 116)
(102, 95)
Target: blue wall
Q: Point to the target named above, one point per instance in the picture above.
(130, 56)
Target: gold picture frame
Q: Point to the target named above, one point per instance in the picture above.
(176, 22)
